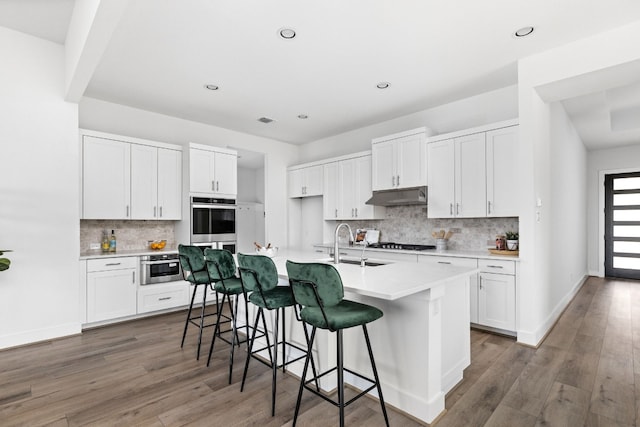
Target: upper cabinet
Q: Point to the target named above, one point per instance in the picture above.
(213, 171)
(400, 160)
(305, 181)
(471, 173)
(128, 178)
(347, 186)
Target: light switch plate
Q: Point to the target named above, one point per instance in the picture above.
(93, 246)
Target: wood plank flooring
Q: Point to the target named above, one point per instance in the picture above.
(585, 373)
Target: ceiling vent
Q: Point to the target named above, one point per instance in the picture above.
(265, 120)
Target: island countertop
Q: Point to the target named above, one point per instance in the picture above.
(391, 281)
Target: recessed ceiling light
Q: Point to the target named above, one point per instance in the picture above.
(265, 120)
(383, 85)
(524, 31)
(287, 33)
(303, 116)
(211, 87)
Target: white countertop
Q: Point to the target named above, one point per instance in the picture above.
(453, 253)
(98, 254)
(391, 281)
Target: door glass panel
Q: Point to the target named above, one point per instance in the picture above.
(626, 247)
(626, 215)
(626, 183)
(626, 199)
(626, 231)
(624, 262)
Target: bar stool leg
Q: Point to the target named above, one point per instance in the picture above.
(186, 323)
(216, 330)
(375, 375)
(274, 363)
(250, 348)
(304, 375)
(234, 337)
(204, 305)
(340, 363)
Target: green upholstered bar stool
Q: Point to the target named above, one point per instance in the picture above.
(194, 271)
(318, 289)
(260, 277)
(222, 271)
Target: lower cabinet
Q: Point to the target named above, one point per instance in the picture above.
(162, 296)
(496, 295)
(111, 288)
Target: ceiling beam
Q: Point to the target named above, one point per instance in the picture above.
(92, 25)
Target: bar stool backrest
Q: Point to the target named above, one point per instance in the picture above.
(315, 284)
(266, 273)
(220, 264)
(191, 259)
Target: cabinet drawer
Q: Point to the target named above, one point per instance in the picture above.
(107, 264)
(448, 260)
(159, 297)
(497, 266)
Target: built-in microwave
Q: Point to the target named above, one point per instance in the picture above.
(213, 220)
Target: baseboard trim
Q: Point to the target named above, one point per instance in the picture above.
(38, 335)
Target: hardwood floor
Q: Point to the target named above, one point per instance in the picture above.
(585, 373)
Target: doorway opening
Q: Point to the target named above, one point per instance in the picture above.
(622, 225)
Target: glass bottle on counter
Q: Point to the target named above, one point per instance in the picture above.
(112, 242)
(105, 241)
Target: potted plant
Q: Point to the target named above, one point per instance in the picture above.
(4, 262)
(512, 240)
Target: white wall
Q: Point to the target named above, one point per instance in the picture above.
(588, 65)
(490, 107)
(39, 190)
(610, 160)
(122, 120)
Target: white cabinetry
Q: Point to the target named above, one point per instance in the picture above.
(106, 178)
(502, 172)
(213, 171)
(400, 160)
(111, 288)
(162, 296)
(457, 177)
(347, 186)
(496, 295)
(130, 178)
(473, 173)
(305, 181)
(155, 182)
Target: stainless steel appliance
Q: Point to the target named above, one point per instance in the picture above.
(160, 268)
(213, 223)
(402, 246)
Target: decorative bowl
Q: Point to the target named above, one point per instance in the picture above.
(270, 252)
(157, 245)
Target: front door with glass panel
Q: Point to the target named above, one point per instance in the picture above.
(622, 225)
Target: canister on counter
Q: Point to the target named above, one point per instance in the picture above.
(501, 242)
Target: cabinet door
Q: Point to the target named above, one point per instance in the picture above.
(383, 176)
(362, 181)
(470, 177)
(332, 190)
(295, 184)
(201, 163)
(411, 152)
(111, 294)
(502, 173)
(106, 179)
(313, 181)
(346, 202)
(496, 301)
(441, 180)
(226, 174)
(144, 182)
(169, 184)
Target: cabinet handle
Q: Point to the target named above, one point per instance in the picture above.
(356, 212)
(444, 262)
(217, 185)
(398, 180)
(494, 266)
(112, 263)
(393, 181)
(134, 278)
(480, 283)
(154, 211)
(164, 298)
(213, 186)
(451, 209)
(160, 211)
(336, 213)
(457, 208)
(127, 211)
(351, 212)
(488, 206)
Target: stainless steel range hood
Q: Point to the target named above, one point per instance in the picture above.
(400, 197)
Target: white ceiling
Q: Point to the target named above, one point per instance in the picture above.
(432, 52)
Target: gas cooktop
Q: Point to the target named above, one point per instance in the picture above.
(402, 246)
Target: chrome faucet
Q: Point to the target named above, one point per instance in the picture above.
(336, 250)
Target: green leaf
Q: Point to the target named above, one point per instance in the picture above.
(4, 264)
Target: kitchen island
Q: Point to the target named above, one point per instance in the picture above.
(421, 344)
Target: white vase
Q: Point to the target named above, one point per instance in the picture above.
(512, 245)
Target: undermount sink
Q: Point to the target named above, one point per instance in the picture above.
(366, 263)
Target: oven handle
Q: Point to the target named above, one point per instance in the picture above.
(234, 207)
(159, 262)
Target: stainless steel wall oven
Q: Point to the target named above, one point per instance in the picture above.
(213, 223)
